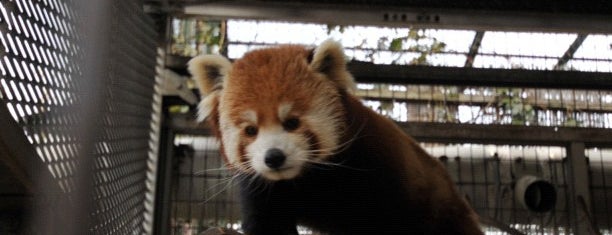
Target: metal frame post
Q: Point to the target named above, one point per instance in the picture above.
(578, 173)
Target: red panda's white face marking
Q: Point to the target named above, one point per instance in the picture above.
(283, 110)
(279, 109)
(249, 117)
(230, 138)
(292, 149)
(248, 141)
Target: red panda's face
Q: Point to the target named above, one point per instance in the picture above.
(279, 111)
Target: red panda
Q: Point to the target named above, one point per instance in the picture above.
(309, 153)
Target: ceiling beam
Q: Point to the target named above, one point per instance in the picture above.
(469, 61)
(569, 54)
(460, 133)
(507, 134)
(406, 74)
(402, 17)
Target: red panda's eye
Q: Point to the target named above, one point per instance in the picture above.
(250, 131)
(291, 124)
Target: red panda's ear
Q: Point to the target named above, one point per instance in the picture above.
(328, 59)
(208, 71)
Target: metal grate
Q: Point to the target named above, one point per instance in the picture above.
(42, 87)
(488, 105)
(38, 77)
(600, 165)
(203, 191)
(487, 176)
(122, 152)
(154, 136)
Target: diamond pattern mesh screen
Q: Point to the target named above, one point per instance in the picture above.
(41, 87)
(38, 77)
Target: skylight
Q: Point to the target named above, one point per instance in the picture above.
(410, 46)
(538, 51)
(595, 54)
(381, 45)
(595, 47)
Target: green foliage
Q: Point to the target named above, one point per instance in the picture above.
(191, 37)
(333, 27)
(386, 107)
(209, 36)
(571, 120)
(420, 43)
(178, 109)
(511, 103)
(414, 34)
(396, 44)
(437, 46)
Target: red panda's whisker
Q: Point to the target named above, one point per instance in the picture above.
(221, 181)
(325, 163)
(338, 147)
(261, 185)
(210, 170)
(246, 166)
(228, 183)
(327, 150)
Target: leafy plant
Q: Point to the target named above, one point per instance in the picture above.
(423, 44)
(570, 120)
(511, 103)
(333, 27)
(191, 37)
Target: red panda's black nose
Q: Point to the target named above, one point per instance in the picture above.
(274, 158)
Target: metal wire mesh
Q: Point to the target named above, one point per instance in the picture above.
(37, 78)
(600, 164)
(486, 174)
(122, 153)
(42, 85)
(154, 142)
(489, 105)
(203, 193)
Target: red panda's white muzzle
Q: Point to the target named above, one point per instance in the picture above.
(278, 155)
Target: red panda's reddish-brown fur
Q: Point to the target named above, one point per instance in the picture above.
(265, 71)
(308, 152)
